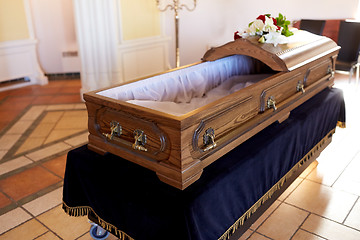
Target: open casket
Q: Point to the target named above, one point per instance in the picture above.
(179, 122)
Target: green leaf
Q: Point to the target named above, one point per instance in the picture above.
(282, 22)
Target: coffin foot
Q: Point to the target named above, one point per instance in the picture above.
(283, 117)
(179, 184)
(96, 149)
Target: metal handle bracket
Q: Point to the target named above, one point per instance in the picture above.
(209, 139)
(140, 140)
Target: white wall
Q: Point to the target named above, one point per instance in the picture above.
(214, 21)
(55, 30)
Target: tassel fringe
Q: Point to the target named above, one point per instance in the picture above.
(341, 124)
(276, 187)
(85, 210)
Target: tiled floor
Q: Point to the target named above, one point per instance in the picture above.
(40, 124)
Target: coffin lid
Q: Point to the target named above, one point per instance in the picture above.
(303, 47)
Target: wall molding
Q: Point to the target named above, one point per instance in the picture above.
(18, 59)
(143, 57)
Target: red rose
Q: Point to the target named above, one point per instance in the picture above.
(262, 18)
(274, 21)
(236, 35)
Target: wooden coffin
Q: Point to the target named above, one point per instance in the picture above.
(178, 139)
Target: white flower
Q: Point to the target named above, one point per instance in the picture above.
(264, 27)
(256, 27)
(275, 38)
(269, 25)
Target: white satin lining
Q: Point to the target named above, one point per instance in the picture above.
(187, 89)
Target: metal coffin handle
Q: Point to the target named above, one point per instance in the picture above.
(271, 103)
(300, 87)
(139, 136)
(140, 140)
(331, 71)
(209, 139)
(116, 130)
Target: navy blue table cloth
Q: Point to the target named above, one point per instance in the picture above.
(130, 200)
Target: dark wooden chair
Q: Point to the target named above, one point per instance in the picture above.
(349, 41)
(313, 26)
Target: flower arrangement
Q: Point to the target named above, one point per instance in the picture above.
(269, 29)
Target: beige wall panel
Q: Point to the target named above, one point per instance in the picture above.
(13, 24)
(139, 19)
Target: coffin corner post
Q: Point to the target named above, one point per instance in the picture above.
(96, 149)
(181, 183)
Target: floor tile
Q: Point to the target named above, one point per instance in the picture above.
(13, 106)
(9, 115)
(4, 200)
(283, 222)
(265, 215)
(28, 230)
(347, 184)
(46, 91)
(328, 229)
(44, 203)
(72, 122)
(19, 127)
(256, 236)
(77, 113)
(52, 117)
(27, 182)
(349, 180)
(80, 106)
(303, 235)
(48, 236)
(48, 151)
(33, 113)
(18, 103)
(3, 123)
(290, 189)
(246, 235)
(8, 140)
(74, 90)
(309, 169)
(14, 164)
(12, 219)
(60, 107)
(19, 99)
(57, 165)
(70, 98)
(30, 144)
(42, 99)
(353, 219)
(326, 173)
(322, 200)
(78, 140)
(63, 225)
(2, 154)
(42, 130)
(332, 164)
(56, 135)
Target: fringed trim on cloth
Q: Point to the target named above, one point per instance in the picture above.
(85, 210)
(341, 124)
(276, 187)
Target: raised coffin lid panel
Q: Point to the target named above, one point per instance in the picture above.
(179, 146)
(303, 48)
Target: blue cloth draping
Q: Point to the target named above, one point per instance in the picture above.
(133, 200)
